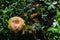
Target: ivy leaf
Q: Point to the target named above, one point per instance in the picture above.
(51, 6)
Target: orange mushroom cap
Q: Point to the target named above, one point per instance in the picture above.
(16, 23)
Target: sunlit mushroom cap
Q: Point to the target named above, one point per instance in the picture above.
(16, 23)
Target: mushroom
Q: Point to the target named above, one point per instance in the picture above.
(16, 23)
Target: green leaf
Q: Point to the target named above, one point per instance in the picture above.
(53, 30)
(51, 6)
(58, 12)
(58, 19)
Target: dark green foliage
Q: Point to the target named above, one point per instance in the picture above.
(42, 26)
